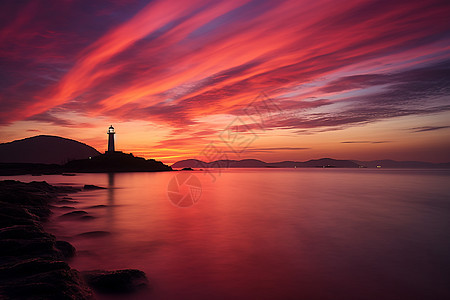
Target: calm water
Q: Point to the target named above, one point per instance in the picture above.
(271, 234)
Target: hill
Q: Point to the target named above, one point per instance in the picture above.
(254, 163)
(313, 163)
(45, 149)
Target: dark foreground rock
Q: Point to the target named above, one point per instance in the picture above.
(93, 187)
(33, 263)
(43, 279)
(75, 213)
(66, 249)
(119, 281)
(94, 234)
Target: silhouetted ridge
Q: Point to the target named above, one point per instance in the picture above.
(45, 149)
(254, 163)
(313, 163)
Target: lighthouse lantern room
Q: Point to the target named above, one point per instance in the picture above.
(111, 133)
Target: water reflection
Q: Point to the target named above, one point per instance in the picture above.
(111, 201)
(276, 234)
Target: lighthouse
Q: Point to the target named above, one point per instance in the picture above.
(111, 134)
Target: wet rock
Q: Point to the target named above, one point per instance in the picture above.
(14, 211)
(19, 212)
(23, 232)
(66, 249)
(119, 281)
(6, 221)
(76, 213)
(65, 207)
(93, 187)
(60, 283)
(31, 265)
(67, 201)
(98, 206)
(44, 247)
(93, 234)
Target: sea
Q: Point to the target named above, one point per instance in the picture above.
(319, 233)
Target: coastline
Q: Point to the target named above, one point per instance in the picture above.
(33, 263)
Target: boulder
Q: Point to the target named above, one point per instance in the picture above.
(60, 283)
(93, 187)
(75, 213)
(44, 247)
(30, 267)
(119, 281)
(66, 249)
(97, 233)
(23, 232)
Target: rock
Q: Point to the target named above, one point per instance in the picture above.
(93, 187)
(15, 211)
(97, 233)
(98, 206)
(32, 213)
(11, 220)
(66, 249)
(44, 247)
(55, 284)
(75, 213)
(67, 201)
(119, 281)
(31, 265)
(23, 232)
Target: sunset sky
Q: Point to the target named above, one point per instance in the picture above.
(343, 79)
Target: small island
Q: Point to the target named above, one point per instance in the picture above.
(115, 161)
(109, 162)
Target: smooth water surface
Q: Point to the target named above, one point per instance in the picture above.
(269, 233)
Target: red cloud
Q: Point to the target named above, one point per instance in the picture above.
(177, 62)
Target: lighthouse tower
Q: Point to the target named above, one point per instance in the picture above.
(111, 134)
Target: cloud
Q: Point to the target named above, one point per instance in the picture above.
(366, 142)
(175, 64)
(280, 148)
(50, 118)
(428, 128)
(355, 82)
(251, 150)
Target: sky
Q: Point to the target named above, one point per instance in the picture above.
(274, 80)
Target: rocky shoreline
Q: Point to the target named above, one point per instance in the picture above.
(33, 263)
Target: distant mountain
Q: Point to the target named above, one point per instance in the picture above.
(254, 163)
(45, 149)
(314, 163)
